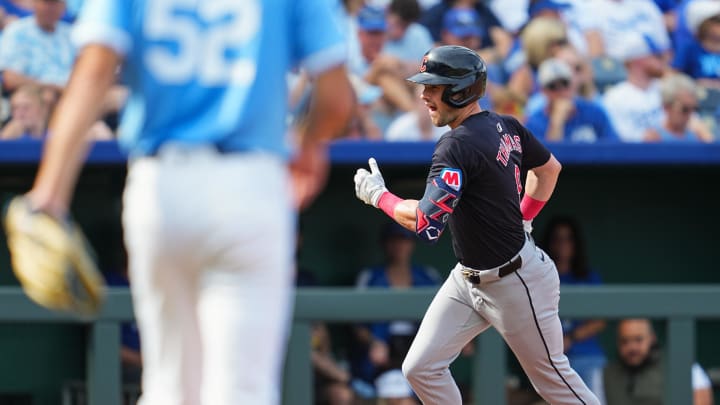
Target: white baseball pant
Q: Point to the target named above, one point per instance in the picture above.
(522, 306)
(210, 240)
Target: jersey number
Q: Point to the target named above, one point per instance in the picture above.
(517, 180)
(201, 40)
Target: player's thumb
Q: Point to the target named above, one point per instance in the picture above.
(374, 169)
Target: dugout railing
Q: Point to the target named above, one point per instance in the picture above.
(679, 305)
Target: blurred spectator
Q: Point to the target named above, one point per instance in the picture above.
(29, 114)
(638, 375)
(382, 346)
(30, 107)
(362, 124)
(407, 40)
(700, 58)
(668, 10)
(681, 35)
(331, 379)
(582, 80)
(11, 10)
(541, 38)
(495, 39)
(565, 244)
(679, 96)
(567, 117)
(578, 22)
(512, 14)
(635, 105)
(461, 26)
(619, 19)
(379, 69)
(415, 125)
(582, 72)
(37, 49)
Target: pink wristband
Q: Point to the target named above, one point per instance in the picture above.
(530, 207)
(387, 202)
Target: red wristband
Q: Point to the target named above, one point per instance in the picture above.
(387, 202)
(530, 207)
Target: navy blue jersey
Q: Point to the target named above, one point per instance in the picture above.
(483, 159)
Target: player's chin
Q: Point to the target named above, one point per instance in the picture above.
(436, 119)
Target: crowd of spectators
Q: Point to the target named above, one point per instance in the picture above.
(581, 71)
(573, 70)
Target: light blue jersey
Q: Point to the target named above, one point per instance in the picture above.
(211, 71)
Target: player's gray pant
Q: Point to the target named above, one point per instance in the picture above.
(523, 307)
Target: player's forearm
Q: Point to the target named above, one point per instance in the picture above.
(67, 143)
(406, 214)
(331, 106)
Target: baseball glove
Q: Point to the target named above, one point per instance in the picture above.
(53, 260)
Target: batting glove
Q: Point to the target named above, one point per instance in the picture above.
(527, 225)
(370, 185)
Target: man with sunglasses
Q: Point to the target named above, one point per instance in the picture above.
(567, 117)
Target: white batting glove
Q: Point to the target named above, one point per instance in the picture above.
(527, 225)
(369, 185)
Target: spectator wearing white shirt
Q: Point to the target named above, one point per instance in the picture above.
(618, 19)
(377, 68)
(635, 105)
(37, 49)
(407, 40)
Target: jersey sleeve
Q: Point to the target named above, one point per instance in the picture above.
(319, 43)
(534, 153)
(104, 22)
(448, 161)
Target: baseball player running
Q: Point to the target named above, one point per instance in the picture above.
(501, 279)
(210, 196)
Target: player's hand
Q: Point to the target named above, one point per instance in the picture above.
(369, 185)
(309, 173)
(527, 226)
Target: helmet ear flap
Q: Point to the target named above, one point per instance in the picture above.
(461, 98)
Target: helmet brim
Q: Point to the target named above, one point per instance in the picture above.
(428, 78)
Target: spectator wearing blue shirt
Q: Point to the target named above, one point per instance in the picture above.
(564, 243)
(567, 117)
(582, 82)
(382, 346)
(700, 57)
(461, 26)
(494, 36)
